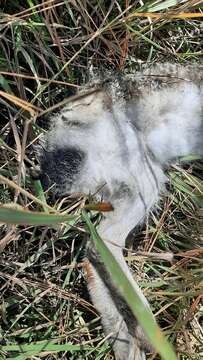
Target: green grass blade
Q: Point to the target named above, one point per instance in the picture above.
(139, 309)
(12, 214)
(43, 346)
(182, 186)
(29, 350)
(162, 5)
(139, 34)
(31, 64)
(40, 193)
(5, 84)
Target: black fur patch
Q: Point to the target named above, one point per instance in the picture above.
(60, 167)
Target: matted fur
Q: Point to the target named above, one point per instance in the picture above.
(116, 141)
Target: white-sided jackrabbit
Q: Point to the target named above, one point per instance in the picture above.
(117, 141)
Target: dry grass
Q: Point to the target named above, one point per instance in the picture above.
(44, 53)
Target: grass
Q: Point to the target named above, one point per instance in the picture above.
(44, 53)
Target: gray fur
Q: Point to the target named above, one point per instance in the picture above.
(116, 141)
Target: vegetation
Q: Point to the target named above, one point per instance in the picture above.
(45, 49)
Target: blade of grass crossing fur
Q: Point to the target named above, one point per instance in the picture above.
(133, 299)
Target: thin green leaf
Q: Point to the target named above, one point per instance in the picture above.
(40, 193)
(27, 351)
(138, 33)
(30, 62)
(5, 84)
(133, 299)
(12, 214)
(162, 5)
(42, 346)
(185, 188)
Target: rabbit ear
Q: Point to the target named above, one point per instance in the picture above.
(60, 167)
